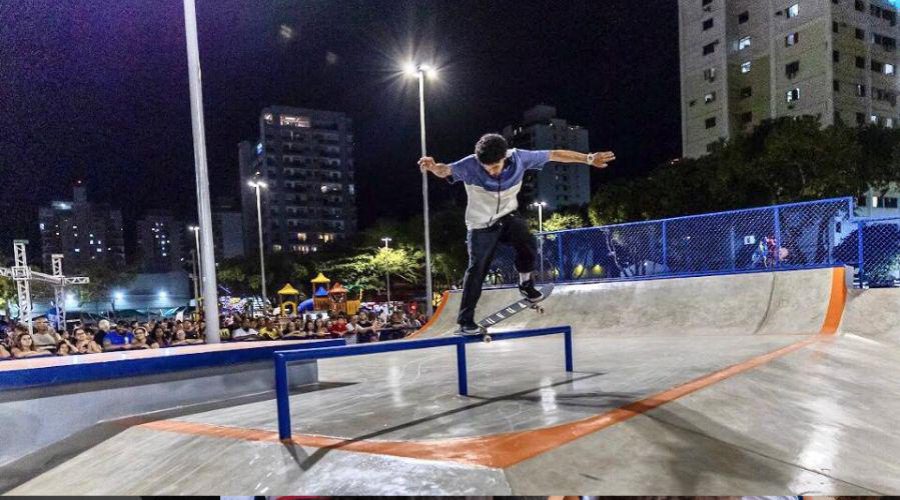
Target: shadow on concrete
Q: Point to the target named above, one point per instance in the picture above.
(306, 461)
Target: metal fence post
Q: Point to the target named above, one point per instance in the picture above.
(560, 259)
(665, 246)
(461, 372)
(541, 256)
(860, 246)
(282, 397)
(567, 336)
(777, 236)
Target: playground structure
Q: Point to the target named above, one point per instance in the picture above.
(23, 275)
(334, 299)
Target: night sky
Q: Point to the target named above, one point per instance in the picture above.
(97, 89)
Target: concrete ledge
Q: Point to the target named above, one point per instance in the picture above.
(38, 416)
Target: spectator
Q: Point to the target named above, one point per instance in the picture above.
(321, 328)
(339, 327)
(352, 330)
(100, 336)
(24, 347)
(4, 354)
(119, 339)
(65, 348)
(140, 340)
(293, 331)
(309, 330)
(269, 330)
(180, 338)
(367, 329)
(160, 337)
(245, 332)
(84, 344)
(45, 339)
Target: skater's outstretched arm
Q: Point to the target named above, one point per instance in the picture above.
(427, 164)
(599, 160)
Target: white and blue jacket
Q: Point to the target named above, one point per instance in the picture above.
(490, 198)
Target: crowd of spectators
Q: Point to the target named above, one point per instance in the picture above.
(107, 336)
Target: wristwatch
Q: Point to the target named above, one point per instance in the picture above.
(590, 158)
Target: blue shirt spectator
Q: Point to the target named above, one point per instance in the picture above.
(118, 339)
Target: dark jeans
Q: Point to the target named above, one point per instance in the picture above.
(482, 243)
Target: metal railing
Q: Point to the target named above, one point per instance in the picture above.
(282, 358)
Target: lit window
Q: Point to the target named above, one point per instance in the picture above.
(888, 69)
(744, 43)
(295, 121)
(792, 11)
(873, 119)
(889, 122)
(708, 98)
(709, 74)
(791, 39)
(301, 236)
(745, 67)
(793, 95)
(267, 117)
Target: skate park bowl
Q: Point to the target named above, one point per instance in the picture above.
(768, 382)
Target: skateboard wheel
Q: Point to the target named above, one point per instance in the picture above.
(487, 339)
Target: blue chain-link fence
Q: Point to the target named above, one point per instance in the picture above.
(877, 252)
(794, 236)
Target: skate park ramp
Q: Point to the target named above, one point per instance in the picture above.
(716, 385)
(778, 303)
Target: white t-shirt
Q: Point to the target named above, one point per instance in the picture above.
(241, 333)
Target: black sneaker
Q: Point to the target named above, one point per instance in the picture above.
(532, 294)
(468, 329)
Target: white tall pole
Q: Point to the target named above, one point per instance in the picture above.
(428, 288)
(196, 231)
(262, 254)
(387, 276)
(207, 254)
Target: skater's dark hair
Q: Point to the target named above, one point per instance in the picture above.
(490, 149)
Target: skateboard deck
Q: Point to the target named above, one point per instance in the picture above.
(513, 309)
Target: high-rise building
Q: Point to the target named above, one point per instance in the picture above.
(305, 157)
(743, 61)
(162, 242)
(83, 232)
(557, 184)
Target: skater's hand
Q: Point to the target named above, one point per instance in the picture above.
(427, 164)
(602, 159)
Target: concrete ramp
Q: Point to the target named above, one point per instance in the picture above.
(777, 303)
(874, 314)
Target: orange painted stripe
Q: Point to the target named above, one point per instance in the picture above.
(499, 450)
(437, 314)
(836, 302)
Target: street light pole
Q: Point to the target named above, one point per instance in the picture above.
(196, 230)
(207, 255)
(387, 276)
(420, 71)
(259, 185)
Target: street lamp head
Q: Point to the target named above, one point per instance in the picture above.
(258, 184)
(412, 69)
(194, 228)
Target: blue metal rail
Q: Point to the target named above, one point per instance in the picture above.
(282, 358)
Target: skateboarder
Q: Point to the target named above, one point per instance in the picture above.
(493, 178)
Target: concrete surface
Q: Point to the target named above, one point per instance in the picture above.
(701, 386)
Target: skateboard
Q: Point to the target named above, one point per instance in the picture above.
(511, 310)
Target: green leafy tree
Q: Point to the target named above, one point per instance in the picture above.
(562, 220)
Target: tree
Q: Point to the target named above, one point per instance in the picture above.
(563, 220)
